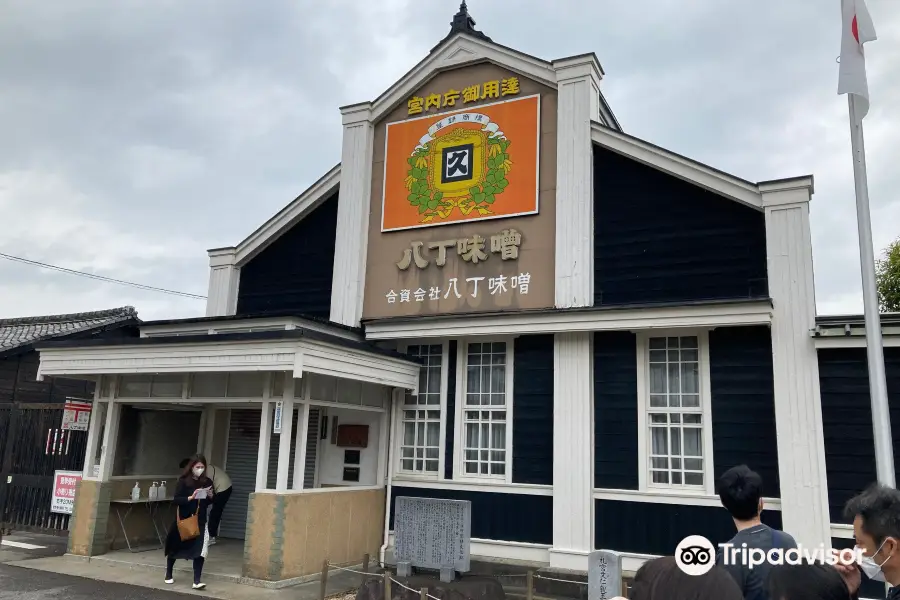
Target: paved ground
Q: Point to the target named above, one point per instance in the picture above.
(34, 567)
(17, 583)
(24, 546)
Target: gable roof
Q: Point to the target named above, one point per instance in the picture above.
(19, 334)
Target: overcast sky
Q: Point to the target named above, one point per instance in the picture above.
(137, 134)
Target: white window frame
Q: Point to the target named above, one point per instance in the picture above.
(399, 472)
(462, 351)
(645, 482)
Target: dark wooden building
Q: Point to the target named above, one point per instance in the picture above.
(32, 445)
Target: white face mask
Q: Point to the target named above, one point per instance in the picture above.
(871, 568)
(198, 471)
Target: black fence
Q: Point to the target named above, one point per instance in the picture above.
(32, 448)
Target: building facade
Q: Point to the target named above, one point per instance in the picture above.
(570, 327)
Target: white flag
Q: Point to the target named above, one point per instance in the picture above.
(856, 29)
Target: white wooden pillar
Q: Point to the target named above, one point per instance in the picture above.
(285, 437)
(201, 431)
(98, 414)
(302, 438)
(578, 81)
(573, 450)
(209, 435)
(265, 433)
(353, 215)
(798, 409)
(110, 439)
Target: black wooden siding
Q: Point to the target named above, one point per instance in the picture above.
(293, 274)
(451, 410)
(649, 528)
(847, 421)
(615, 411)
(661, 239)
(533, 410)
(743, 402)
(497, 516)
(18, 383)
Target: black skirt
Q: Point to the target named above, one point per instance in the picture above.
(199, 546)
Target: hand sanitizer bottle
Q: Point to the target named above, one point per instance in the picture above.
(161, 492)
(154, 491)
(136, 492)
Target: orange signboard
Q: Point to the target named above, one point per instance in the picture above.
(467, 165)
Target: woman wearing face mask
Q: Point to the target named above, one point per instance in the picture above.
(193, 494)
(876, 526)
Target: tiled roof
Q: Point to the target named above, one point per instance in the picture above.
(28, 330)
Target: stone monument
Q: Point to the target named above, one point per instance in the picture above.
(431, 533)
(604, 575)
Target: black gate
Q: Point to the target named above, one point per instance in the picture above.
(32, 448)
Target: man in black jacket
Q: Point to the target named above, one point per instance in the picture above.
(876, 526)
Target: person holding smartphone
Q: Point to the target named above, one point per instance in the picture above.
(193, 495)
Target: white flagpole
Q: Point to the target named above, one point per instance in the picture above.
(881, 417)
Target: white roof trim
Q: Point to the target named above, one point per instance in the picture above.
(311, 356)
(458, 51)
(852, 342)
(212, 327)
(286, 217)
(629, 319)
(684, 168)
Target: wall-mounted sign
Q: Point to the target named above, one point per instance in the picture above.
(76, 415)
(462, 166)
(353, 436)
(64, 485)
(444, 175)
(276, 421)
(470, 93)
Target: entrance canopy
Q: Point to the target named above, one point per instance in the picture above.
(230, 345)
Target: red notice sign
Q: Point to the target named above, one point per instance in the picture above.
(64, 485)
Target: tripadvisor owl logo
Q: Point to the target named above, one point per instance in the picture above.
(695, 555)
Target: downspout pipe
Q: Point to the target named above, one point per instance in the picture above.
(390, 474)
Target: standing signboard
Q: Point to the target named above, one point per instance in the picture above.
(64, 485)
(76, 415)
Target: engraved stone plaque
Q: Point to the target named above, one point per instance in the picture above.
(430, 533)
(604, 575)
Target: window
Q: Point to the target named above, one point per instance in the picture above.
(676, 422)
(485, 436)
(420, 445)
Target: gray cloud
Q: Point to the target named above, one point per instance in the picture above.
(141, 133)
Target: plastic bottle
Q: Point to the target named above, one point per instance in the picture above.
(136, 492)
(161, 492)
(153, 492)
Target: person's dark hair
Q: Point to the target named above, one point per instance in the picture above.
(183, 463)
(814, 581)
(663, 579)
(879, 507)
(740, 489)
(188, 470)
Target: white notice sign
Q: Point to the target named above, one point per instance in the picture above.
(64, 485)
(276, 422)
